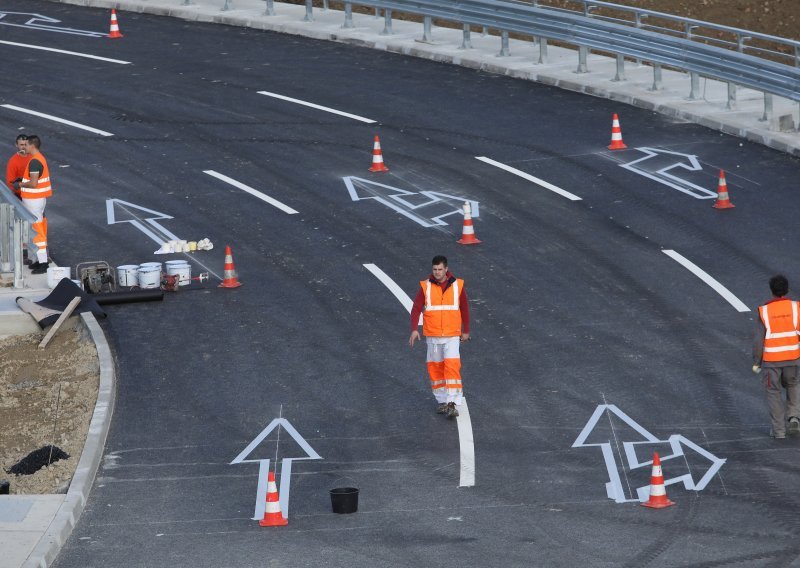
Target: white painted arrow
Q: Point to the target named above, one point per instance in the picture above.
(648, 166)
(31, 21)
(143, 219)
(402, 201)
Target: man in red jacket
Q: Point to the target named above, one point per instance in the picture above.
(445, 323)
(15, 168)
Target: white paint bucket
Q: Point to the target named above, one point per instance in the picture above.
(127, 275)
(149, 277)
(182, 269)
(55, 274)
(151, 265)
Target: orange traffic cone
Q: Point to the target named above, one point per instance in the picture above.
(658, 495)
(616, 135)
(114, 33)
(468, 232)
(230, 280)
(377, 158)
(272, 514)
(723, 201)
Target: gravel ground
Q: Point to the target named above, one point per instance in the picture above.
(33, 413)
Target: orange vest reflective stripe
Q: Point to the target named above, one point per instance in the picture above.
(43, 188)
(781, 341)
(442, 315)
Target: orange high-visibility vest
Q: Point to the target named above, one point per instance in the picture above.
(43, 188)
(442, 315)
(781, 342)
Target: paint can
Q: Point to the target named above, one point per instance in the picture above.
(182, 269)
(152, 265)
(192, 246)
(149, 277)
(344, 500)
(55, 274)
(127, 276)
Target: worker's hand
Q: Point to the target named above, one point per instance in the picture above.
(756, 369)
(464, 337)
(414, 337)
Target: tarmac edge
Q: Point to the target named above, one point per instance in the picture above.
(56, 535)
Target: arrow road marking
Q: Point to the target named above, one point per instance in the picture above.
(158, 232)
(77, 54)
(286, 466)
(465, 438)
(687, 162)
(318, 107)
(57, 119)
(30, 21)
(246, 188)
(677, 444)
(529, 177)
(405, 202)
(705, 277)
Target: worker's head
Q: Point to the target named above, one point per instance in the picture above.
(34, 141)
(439, 269)
(22, 144)
(779, 285)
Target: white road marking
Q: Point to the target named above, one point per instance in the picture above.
(529, 177)
(65, 52)
(57, 119)
(318, 107)
(705, 277)
(246, 188)
(465, 437)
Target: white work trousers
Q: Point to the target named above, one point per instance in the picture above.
(36, 207)
(444, 368)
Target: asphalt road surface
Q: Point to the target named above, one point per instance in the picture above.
(582, 324)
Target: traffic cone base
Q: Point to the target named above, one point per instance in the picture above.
(658, 494)
(723, 198)
(230, 280)
(272, 514)
(616, 135)
(114, 28)
(377, 157)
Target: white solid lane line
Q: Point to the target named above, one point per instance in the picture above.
(57, 119)
(529, 177)
(262, 196)
(318, 107)
(465, 438)
(75, 53)
(705, 277)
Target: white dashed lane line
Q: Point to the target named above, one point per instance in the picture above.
(318, 107)
(57, 119)
(246, 188)
(65, 52)
(529, 177)
(705, 277)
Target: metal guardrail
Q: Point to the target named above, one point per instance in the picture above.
(15, 222)
(735, 61)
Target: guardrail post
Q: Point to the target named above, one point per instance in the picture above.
(484, 31)
(5, 237)
(638, 17)
(504, 52)
(348, 15)
(377, 13)
(19, 280)
(325, 5)
(656, 77)
(387, 22)
(583, 55)
(270, 11)
(309, 17)
(694, 79)
(426, 29)
(227, 5)
(731, 96)
(769, 109)
(186, 3)
(466, 42)
(543, 50)
(620, 76)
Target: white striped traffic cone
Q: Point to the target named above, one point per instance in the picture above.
(377, 157)
(658, 495)
(114, 32)
(272, 514)
(231, 279)
(616, 135)
(723, 199)
(468, 232)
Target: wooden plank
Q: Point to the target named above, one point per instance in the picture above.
(61, 319)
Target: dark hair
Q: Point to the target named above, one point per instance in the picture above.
(33, 139)
(439, 259)
(779, 285)
(21, 137)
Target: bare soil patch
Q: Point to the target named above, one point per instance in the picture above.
(32, 412)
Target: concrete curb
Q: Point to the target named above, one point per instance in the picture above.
(56, 535)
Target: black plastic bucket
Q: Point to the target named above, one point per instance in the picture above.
(344, 500)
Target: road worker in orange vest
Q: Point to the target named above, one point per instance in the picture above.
(776, 356)
(442, 300)
(16, 164)
(35, 188)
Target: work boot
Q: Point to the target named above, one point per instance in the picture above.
(442, 408)
(41, 268)
(452, 411)
(777, 436)
(794, 425)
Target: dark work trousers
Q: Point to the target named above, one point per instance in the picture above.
(775, 379)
